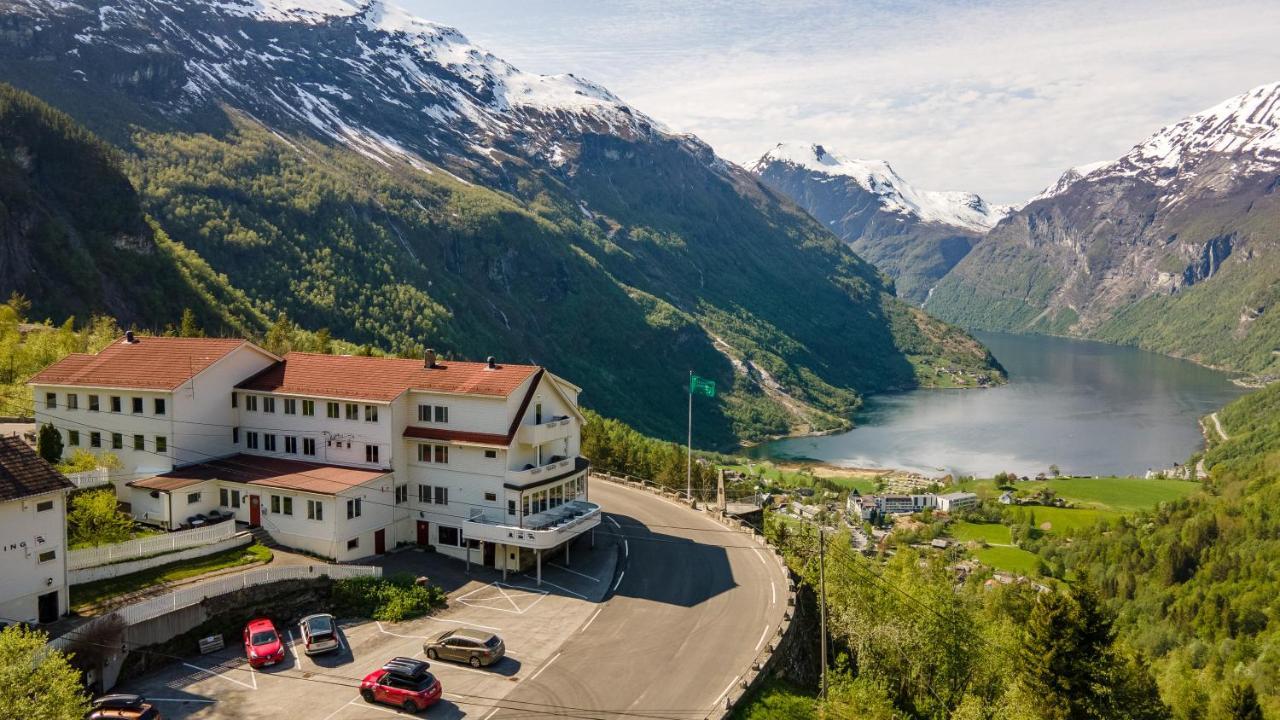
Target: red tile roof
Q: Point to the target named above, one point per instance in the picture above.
(264, 472)
(384, 379)
(149, 363)
(23, 473)
(478, 438)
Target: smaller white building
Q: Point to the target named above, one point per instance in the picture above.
(33, 536)
(956, 501)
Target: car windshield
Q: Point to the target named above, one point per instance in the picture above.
(263, 638)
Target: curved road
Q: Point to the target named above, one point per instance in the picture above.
(694, 604)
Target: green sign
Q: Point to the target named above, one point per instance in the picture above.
(702, 386)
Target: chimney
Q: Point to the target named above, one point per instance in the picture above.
(128, 337)
(493, 364)
(429, 359)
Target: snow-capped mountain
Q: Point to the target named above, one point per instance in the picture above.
(914, 235)
(1183, 230)
(955, 208)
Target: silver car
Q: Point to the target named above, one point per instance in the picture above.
(474, 647)
(319, 634)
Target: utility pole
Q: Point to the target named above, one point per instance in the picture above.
(688, 455)
(822, 604)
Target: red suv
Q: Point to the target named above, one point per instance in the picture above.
(403, 682)
(262, 643)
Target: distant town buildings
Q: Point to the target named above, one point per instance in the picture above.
(867, 506)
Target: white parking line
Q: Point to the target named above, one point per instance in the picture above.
(254, 686)
(619, 580)
(615, 522)
(726, 690)
(292, 649)
(460, 622)
(385, 631)
(773, 593)
(593, 618)
(763, 635)
(491, 713)
(626, 548)
(344, 707)
(545, 665)
(575, 572)
(180, 700)
(558, 587)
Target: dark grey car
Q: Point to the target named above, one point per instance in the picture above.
(474, 647)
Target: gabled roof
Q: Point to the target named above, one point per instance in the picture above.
(23, 473)
(383, 379)
(148, 363)
(478, 438)
(264, 472)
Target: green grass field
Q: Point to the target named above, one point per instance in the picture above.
(1009, 559)
(1119, 494)
(992, 533)
(1060, 521)
(95, 592)
(791, 478)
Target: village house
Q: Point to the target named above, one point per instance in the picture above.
(956, 501)
(33, 536)
(341, 456)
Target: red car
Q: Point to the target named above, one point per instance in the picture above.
(403, 682)
(262, 643)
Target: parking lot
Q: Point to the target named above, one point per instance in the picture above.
(533, 621)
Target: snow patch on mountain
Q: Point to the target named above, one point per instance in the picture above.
(957, 208)
(1069, 178)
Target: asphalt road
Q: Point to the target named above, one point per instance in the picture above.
(694, 604)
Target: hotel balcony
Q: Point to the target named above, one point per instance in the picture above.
(537, 434)
(555, 469)
(541, 531)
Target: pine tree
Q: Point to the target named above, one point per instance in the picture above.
(1242, 703)
(189, 327)
(49, 443)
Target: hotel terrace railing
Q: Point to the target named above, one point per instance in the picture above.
(556, 466)
(539, 433)
(542, 530)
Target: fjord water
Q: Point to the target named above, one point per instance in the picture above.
(1090, 408)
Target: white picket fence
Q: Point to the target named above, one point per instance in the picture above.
(150, 608)
(147, 546)
(90, 478)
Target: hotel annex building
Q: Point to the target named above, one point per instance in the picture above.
(340, 456)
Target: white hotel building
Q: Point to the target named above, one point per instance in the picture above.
(33, 532)
(341, 456)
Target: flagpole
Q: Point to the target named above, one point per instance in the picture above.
(688, 456)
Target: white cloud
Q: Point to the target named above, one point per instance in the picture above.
(998, 98)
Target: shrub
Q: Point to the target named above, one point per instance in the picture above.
(94, 519)
(390, 599)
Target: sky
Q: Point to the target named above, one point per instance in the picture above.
(998, 98)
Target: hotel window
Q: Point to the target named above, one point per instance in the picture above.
(235, 436)
(269, 442)
(491, 497)
(48, 556)
(332, 410)
(491, 454)
(308, 446)
(353, 543)
(402, 494)
(73, 401)
(193, 498)
(117, 441)
(290, 406)
(424, 494)
(139, 442)
(251, 440)
(268, 404)
(233, 399)
(526, 506)
(136, 405)
(442, 453)
(442, 495)
(162, 444)
(222, 497)
(315, 510)
(93, 403)
(95, 439)
(353, 411)
(371, 413)
(424, 413)
(446, 535)
(44, 505)
(251, 402)
(511, 507)
(73, 438)
(371, 453)
(353, 508)
(442, 414)
(308, 407)
(275, 504)
(50, 400)
(291, 444)
(115, 403)
(158, 406)
(424, 452)
(235, 498)
(286, 504)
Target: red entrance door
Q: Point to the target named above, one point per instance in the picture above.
(380, 542)
(424, 534)
(255, 511)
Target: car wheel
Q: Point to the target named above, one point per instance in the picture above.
(410, 707)
(475, 661)
(367, 694)
(432, 653)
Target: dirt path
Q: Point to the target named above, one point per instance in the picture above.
(1222, 433)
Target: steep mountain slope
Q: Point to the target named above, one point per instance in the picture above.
(376, 174)
(915, 236)
(73, 237)
(1174, 247)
